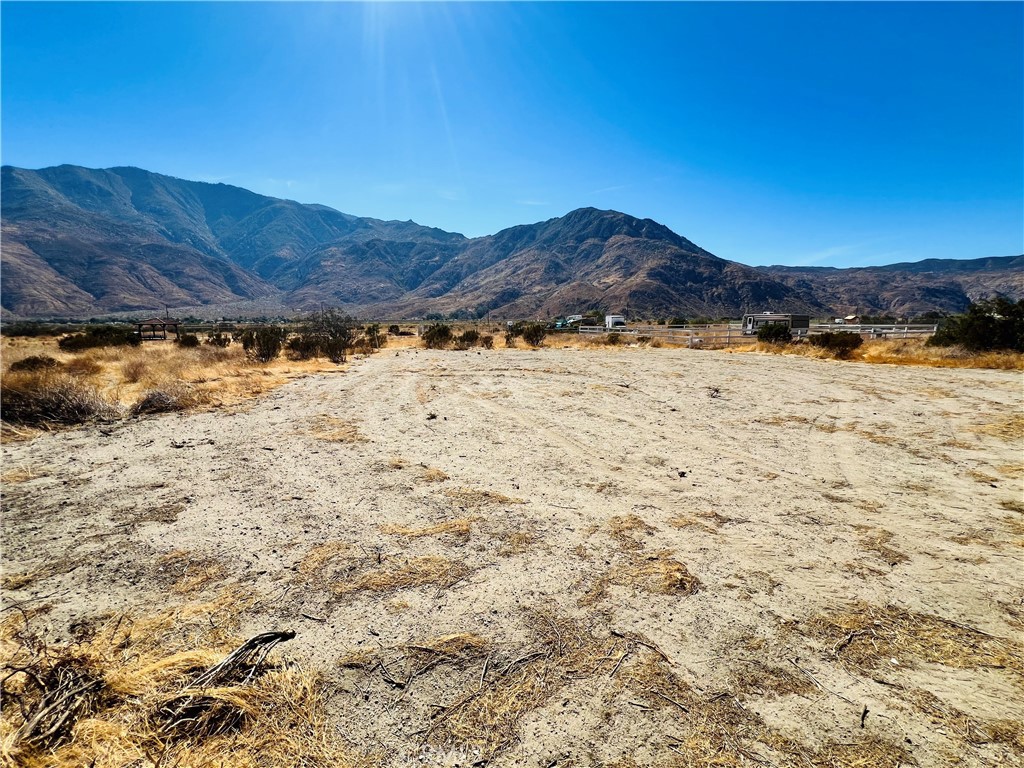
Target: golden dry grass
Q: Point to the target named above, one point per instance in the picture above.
(199, 377)
(133, 670)
(869, 636)
(335, 430)
(395, 573)
(900, 352)
(432, 475)
(188, 573)
(1010, 428)
(23, 474)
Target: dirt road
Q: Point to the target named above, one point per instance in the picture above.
(726, 516)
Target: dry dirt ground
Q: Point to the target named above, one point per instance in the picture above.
(579, 557)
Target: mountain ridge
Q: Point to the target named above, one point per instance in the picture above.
(80, 241)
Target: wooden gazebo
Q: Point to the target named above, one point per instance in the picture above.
(156, 328)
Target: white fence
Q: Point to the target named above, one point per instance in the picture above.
(719, 336)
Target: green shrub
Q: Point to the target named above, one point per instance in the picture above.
(513, 332)
(263, 343)
(774, 333)
(327, 334)
(187, 340)
(487, 341)
(840, 343)
(437, 336)
(677, 321)
(35, 363)
(534, 333)
(470, 338)
(394, 330)
(992, 324)
(100, 336)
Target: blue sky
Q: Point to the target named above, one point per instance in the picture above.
(831, 134)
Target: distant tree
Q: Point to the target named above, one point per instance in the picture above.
(534, 333)
(187, 340)
(839, 343)
(991, 324)
(678, 321)
(437, 336)
(263, 343)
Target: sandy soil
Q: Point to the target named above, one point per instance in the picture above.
(711, 513)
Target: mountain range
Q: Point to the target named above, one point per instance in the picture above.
(80, 242)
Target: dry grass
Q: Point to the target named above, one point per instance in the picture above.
(432, 475)
(900, 352)
(488, 715)
(460, 528)
(867, 637)
(336, 430)
(471, 497)
(188, 573)
(1011, 428)
(23, 474)
(392, 573)
(111, 380)
(877, 541)
(113, 687)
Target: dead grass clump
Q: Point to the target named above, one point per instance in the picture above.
(471, 497)
(400, 665)
(763, 679)
(867, 636)
(1011, 428)
(44, 399)
(682, 522)
(173, 398)
(459, 528)
(489, 715)
(392, 574)
(188, 573)
(83, 367)
(878, 542)
(623, 528)
(134, 370)
(1013, 505)
(336, 430)
(160, 689)
(432, 475)
(516, 542)
(1008, 732)
(317, 560)
(23, 474)
(658, 573)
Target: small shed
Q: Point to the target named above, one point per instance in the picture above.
(155, 329)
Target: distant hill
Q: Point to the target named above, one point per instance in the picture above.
(947, 285)
(79, 242)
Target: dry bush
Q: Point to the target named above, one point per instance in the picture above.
(868, 636)
(657, 573)
(400, 665)
(105, 699)
(43, 399)
(34, 363)
(134, 369)
(176, 397)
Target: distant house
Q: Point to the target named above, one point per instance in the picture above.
(155, 329)
(852, 320)
(798, 324)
